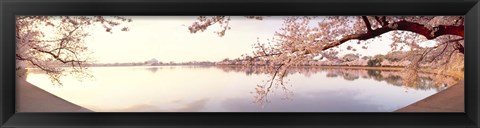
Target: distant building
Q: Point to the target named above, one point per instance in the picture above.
(153, 61)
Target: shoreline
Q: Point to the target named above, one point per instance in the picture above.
(30, 98)
(451, 99)
(386, 68)
(340, 67)
(359, 67)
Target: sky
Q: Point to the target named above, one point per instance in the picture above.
(167, 38)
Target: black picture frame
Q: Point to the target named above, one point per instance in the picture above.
(10, 8)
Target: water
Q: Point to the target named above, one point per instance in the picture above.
(233, 89)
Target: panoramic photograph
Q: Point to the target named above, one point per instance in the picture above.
(239, 64)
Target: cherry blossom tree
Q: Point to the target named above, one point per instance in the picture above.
(302, 38)
(203, 22)
(395, 56)
(350, 57)
(52, 42)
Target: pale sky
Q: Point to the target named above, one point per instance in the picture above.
(167, 38)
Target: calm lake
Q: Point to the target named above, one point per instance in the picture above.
(234, 89)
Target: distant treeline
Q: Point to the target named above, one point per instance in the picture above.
(150, 64)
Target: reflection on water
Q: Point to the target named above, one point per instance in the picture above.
(423, 81)
(153, 69)
(239, 89)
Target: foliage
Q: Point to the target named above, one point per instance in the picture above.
(203, 22)
(302, 38)
(395, 56)
(375, 62)
(351, 57)
(53, 42)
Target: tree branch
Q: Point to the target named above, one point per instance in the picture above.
(381, 20)
(367, 23)
(18, 57)
(402, 25)
(62, 42)
(436, 56)
(56, 56)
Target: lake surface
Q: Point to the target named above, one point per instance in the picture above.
(234, 89)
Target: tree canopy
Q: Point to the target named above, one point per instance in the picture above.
(302, 38)
(50, 42)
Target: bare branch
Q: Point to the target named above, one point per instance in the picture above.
(56, 56)
(382, 20)
(367, 23)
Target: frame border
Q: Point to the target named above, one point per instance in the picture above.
(10, 8)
